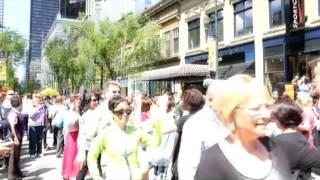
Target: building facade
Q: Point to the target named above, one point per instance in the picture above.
(114, 9)
(71, 9)
(252, 38)
(151, 82)
(1, 14)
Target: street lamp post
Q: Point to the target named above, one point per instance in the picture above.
(216, 38)
(213, 46)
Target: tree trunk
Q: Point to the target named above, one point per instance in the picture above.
(101, 77)
(7, 67)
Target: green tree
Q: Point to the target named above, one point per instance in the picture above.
(30, 86)
(118, 48)
(67, 61)
(135, 45)
(129, 45)
(57, 55)
(12, 46)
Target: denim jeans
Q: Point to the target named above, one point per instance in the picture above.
(35, 139)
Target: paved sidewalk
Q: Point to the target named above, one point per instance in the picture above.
(46, 167)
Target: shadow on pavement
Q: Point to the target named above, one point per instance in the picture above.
(35, 174)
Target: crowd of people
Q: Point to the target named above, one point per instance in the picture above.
(234, 131)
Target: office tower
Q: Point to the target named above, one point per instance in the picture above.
(1, 14)
(43, 14)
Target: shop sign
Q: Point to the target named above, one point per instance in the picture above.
(294, 14)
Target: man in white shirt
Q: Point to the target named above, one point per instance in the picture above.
(17, 129)
(200, 132)
(6, 105)
(111, 90)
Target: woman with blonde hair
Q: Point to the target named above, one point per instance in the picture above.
(246, 153)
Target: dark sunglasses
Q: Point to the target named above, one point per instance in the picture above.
(123, 111)
(115, 92)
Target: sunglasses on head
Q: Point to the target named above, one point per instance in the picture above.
(123, 111)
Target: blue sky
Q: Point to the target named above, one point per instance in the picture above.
(17, 16)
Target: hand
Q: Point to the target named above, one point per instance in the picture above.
(5, 149)
(16, 142)
(80, 161)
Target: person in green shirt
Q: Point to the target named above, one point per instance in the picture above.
(118, 145)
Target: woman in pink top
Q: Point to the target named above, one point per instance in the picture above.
(308, 120)
(69, 169)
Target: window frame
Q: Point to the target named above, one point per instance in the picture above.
(212, 21)
(282, 14)
(190, 29)
(167, 43)
(242, 11)
(175, 33)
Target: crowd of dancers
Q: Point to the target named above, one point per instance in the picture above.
(234, 131)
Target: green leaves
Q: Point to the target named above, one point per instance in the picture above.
(126, 46)
(12, 46)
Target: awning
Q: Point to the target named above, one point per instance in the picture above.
(233, 69)
(313, 62)
(176, 71)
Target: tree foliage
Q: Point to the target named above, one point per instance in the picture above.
(117, 48)
(12, 46)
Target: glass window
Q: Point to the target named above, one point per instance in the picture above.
(276, 13)
(194, 33)
(211, 31)
(167, 43)
(176, 40)
(243, 17)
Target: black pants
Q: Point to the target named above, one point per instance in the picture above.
(14, 161)
(35, 140)
(83, 171)
(55, 135)
(60, 142)
(44, 137)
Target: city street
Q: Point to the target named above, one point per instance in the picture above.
(46, 167)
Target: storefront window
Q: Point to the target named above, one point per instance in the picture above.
(276, 13)
(273, 51)
(243, 17)
(211, 26)
(273, 65)
(274, 73)
(194, 33)
(176, 40)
